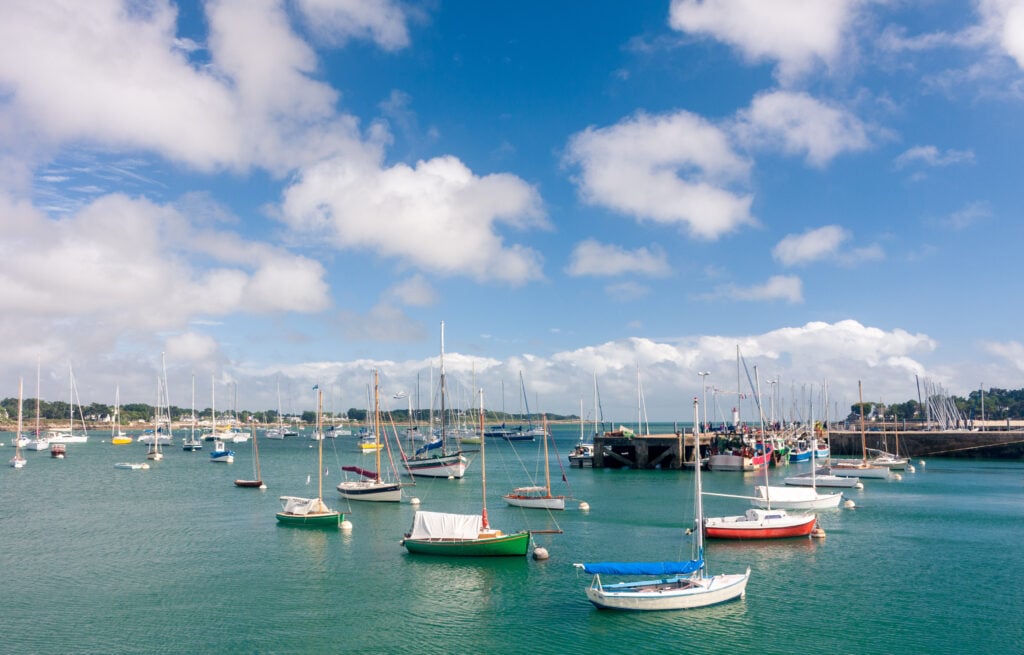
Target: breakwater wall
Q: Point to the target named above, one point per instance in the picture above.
(997, 444)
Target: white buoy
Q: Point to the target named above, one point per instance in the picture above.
(921, 463)
(263, 487)
(911, 469)
(584, 506)
(897, 476)
(849, 504)
(346, 525)
(818, 533)
(859, 485)
(414, 501)
(451, 477)
(540, 552)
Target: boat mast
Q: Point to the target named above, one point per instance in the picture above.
(483, 463)
(547, 466)
(444, 441)
(863, 443)
(376, 420)
(698, 501)
(320, 448)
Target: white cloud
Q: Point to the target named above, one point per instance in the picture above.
(382, 21)
(966, 216)
(191, 347)
(812, 245)
(593, 258)
(1003, 20)
(798, 34)
(626, 291)
(673, 169)
(931, 156)
(437, 216)
(95, 74)
(778, 287)
(798, 124)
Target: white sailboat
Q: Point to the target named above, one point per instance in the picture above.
(373, 487)
(536, 497)
(38, 442)
(69, 435)
(192, 443)
(18, 461)
(117, 435)
(670, 585)
(434, 459)
(859, 468)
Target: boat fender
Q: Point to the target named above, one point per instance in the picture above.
(346, 525)
(818, 533)
(897, 476)
(540, 553)
(414, 501)
(859, 485)
(584, 506)
(849, 504)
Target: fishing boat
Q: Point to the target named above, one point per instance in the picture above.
(464, 535)
(668, 585)
(800, 452)
(312, 512)
(582, 455)
(372, 487)
(221, 454)
(18, 461)
(535, 497)
(257, 479)
(434, 459)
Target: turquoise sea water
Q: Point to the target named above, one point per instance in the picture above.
(176, 559)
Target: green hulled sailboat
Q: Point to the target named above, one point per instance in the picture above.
(312, 512)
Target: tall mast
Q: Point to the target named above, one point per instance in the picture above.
(376, 420)
(547, 467)
(444, 441)
(483, 463)
(863, 443)
(698, 500)
(320, 441)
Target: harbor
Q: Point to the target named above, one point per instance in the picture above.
(176, 559)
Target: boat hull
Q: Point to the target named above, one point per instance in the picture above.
(739, 527)
(869, 472)
(795, 498)
(312, 520)
(834, 481)
(509, 545)
(448, 466)
(371, 491)
(249, 484)
(669, 594)
(536, 502)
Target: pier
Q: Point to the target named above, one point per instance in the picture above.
(650, 451)
(993, 444)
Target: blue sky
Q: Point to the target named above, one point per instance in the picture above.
(299, 192)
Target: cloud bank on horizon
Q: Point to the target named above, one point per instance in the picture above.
(303, 190)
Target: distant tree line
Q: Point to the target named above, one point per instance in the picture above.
(1000, 404)
(135, 412)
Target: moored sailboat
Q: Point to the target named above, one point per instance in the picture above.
(373, 487)
(18, 461)
(669, 585)
(257, 479)
(434, 459)
(464, 535)
(312, 512)
(537, 497)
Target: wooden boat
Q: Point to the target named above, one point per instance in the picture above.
(859, 468)
(18, 461)
(464, 535)
(433, 459)
(372, 487)
(537, 497)
(758, 523)
(671, 585)
(312, 512)
(257, 479)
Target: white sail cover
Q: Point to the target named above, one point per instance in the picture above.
(439, 525)
(303, 506)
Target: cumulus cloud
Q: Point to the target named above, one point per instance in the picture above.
(591, 257)
(797, 34)
(675, 169)
(437, 215)
(414, 291)
(799, 124)
(95, 74)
